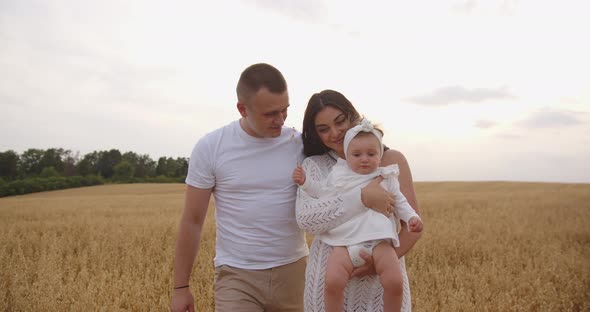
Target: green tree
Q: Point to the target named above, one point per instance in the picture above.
(166, 167)
(49, 172)
(123, 171)
(131, 158)
(9, 164)
(69, 163)
(88, 164)
(107, 160)
(30, 162)
(146, 167)
(170, 167)
(181, 167)
(53, 157)
(3, 188)
(161, 168)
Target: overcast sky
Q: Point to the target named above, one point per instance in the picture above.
(467, 90)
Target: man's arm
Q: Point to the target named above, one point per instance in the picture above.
(187, 245)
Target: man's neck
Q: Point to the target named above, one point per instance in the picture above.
(248, 130)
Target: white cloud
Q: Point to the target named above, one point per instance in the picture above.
(552, 118)
(459, 94)
(485, 124)
(307, 10)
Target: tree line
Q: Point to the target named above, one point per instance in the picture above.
(56, 168)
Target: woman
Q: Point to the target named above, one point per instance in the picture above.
(328, 116)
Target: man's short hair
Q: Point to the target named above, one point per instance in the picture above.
(259, 76)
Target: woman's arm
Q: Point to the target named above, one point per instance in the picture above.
(317, 215)
(407, 239)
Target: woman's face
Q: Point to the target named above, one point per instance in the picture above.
(331, 125)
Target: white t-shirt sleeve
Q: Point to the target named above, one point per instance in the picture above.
(201, 167)
(317, 215)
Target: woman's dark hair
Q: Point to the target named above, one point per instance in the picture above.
(312, 144)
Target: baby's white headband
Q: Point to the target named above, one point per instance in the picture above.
(364, 126)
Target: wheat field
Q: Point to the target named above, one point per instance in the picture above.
(487, 246)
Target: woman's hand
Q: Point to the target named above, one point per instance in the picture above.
(375, 197)
(366, 269)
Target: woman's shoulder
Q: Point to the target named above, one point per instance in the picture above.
(326, 157)
(392, 156)
(323, 161)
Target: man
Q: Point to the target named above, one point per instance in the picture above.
(261, 253)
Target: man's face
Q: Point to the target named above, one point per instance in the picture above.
(364, 154)
(264, 113)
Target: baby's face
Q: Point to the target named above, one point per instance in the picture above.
(364, 154)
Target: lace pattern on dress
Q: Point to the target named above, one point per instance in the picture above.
(318, 215)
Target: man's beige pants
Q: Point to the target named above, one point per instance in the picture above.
(276, 289)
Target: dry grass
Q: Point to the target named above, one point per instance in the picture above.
(487, 247)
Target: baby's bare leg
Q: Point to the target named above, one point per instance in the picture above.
(388, 267)
(337, 275)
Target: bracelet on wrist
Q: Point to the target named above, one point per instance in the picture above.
(180, 287)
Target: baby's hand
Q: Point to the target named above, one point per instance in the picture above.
(299, 175)
(415, 225)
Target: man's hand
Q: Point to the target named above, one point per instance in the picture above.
(366, 269)
(299, 175)
(182, 301)
(415, 225)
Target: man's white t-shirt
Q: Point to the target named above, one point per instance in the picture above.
(254, 195)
